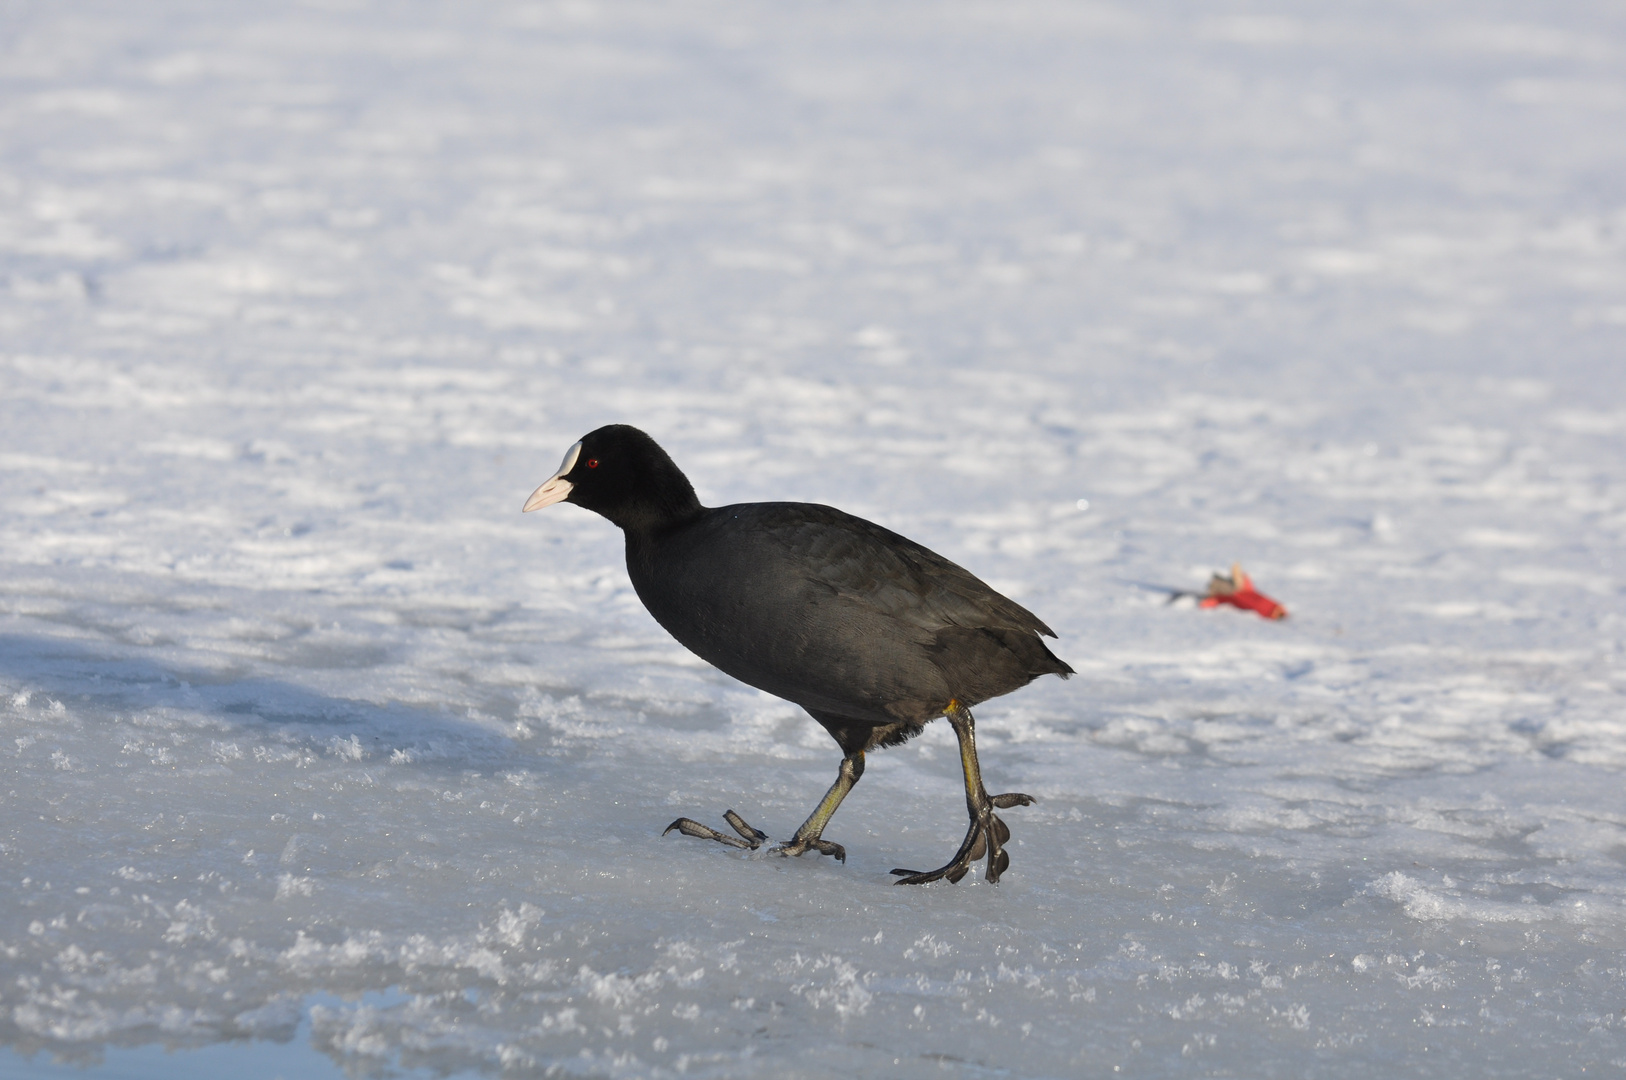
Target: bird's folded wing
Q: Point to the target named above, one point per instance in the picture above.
(867, 564)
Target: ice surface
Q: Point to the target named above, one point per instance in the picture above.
(304, 723)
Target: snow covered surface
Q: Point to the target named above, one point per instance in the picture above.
(303, 723)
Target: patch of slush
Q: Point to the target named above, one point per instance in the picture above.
(283, 1050)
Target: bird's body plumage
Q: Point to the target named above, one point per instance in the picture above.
(835, 613)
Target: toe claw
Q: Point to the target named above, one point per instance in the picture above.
(1014, 798)
(684, 825)
(835, 851)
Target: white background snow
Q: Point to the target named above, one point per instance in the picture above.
(308, 734)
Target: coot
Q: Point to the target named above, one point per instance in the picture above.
(868, 631)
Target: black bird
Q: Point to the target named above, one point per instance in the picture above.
(868, 631)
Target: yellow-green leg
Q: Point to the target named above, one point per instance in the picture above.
(807, 838)
(987, 833)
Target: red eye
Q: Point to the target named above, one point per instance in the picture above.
(592, 463)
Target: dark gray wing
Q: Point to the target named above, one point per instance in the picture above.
(878, 568)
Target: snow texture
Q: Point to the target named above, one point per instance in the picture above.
(300, 718)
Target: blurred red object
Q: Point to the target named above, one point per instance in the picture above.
(1238, 591)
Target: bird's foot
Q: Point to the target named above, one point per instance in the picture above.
(753, 838)
(811, 843)
(987, 835)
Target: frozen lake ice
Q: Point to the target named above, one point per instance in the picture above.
(314, 749)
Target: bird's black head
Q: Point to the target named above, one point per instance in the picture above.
(623, 474)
